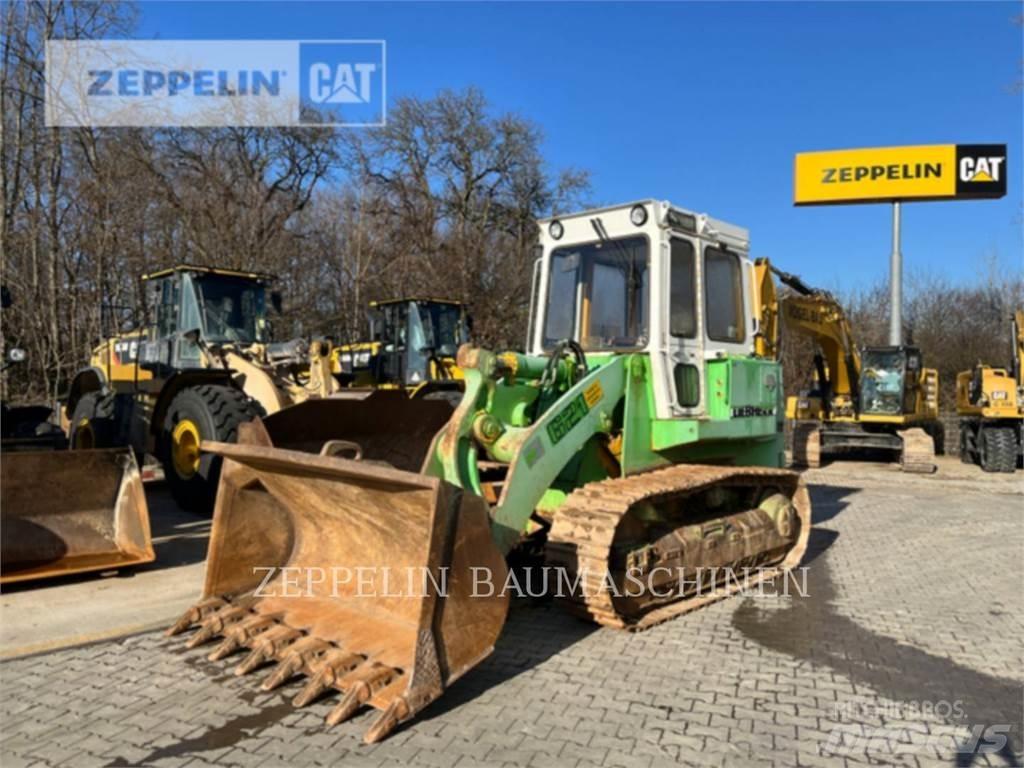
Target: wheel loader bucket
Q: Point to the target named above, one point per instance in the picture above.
(380, 426)
(67, 512)
(367, 580)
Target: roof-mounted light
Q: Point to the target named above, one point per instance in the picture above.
(556, 230)
(679, 220)
(638, 215)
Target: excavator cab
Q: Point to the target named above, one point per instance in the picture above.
(889, 379)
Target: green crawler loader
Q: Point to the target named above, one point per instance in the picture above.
(639, 441)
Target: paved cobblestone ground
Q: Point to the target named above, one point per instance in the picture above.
(907, 642)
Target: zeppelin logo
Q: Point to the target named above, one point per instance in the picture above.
(152, 82)
(892, 172)
(751, 411)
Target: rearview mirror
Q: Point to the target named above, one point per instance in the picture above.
(276, 301)
(192, 335)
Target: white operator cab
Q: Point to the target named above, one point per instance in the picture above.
(647, 277)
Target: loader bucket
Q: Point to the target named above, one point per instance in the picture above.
(67, 512)
(365, 579)
(386, 425)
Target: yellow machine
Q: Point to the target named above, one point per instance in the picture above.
(412, 346)
(990, 402)
(878, 398)
(200, 366)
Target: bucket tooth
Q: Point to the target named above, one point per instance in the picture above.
(215, 623)
(350, 704)
(388, 720)
(331, 670)
(285, 670)
(360, 685)
(312, 690)
(257, 658)
(195, 614)
(227, 646)
(275, 640)
(239, 634)
(203, 636)
(301, 654)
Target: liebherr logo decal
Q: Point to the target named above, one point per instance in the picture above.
(749, 411)
(574, 412)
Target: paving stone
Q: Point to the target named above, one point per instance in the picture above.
(765, 681)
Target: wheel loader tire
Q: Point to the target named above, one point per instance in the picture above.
(205, 412)
(967, 440)
(93, 423)
(997, 449)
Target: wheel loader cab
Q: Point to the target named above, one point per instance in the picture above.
(224, 307)
(416, 337)
(648, 278)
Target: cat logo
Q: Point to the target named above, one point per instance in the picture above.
(980, 170)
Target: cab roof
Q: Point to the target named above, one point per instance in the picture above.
(260, 276)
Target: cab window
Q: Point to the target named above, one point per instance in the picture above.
(682, 300)
(611, 278)
(723, 296)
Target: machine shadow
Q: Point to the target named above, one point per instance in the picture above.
(536, 630)
(827, 501)
(179, 537)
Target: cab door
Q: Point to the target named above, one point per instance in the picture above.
(684, 327)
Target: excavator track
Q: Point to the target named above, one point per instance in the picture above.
(807, 445)
(918, 454)
(587, 532)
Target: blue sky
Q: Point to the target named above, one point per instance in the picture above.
(705, 104)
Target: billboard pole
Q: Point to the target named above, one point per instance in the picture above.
(896, 281)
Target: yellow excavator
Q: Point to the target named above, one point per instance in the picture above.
(637, 444)
(412, 346)
(880, 398)
(201, 364)
(990, 402)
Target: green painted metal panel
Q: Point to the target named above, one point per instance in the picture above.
(552, 442)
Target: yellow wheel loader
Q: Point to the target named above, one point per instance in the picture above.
(64, 513)
(200, 366)
(990, 402)
(412, 346)
(638, 444)
(879, 398)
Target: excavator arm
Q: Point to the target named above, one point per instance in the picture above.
(819, 315)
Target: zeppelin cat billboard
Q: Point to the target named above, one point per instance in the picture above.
(886, 174)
